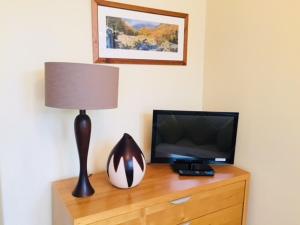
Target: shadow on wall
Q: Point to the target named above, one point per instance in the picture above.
(147, 123)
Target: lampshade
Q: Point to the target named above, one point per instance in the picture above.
(81, 86)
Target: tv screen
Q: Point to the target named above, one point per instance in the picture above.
(208, 137)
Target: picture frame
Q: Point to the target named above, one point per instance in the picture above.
(129, 34)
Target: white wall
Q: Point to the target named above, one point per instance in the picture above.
(252, 66)
(37, 143)
(1, 210)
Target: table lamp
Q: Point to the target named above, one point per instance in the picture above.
(81, 86)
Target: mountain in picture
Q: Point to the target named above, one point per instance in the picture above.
(130, 34)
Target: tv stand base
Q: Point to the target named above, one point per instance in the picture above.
(192, 168)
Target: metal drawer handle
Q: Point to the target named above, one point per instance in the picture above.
(187, 223)
(181, 201)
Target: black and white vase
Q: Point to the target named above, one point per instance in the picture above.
(126, 164)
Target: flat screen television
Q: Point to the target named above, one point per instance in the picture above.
(207, 137)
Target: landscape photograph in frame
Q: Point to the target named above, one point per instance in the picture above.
(137, 35)
(122, 33)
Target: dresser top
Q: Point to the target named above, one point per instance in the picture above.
(159, 184)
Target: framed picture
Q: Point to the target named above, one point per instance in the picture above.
(131, 34)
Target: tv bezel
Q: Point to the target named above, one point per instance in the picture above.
(157, 112)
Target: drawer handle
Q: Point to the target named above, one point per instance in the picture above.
(187, 223)
(181, 201)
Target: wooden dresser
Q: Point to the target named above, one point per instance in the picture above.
(163, 198)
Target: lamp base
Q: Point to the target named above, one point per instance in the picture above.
(83, 187)
(82, 127)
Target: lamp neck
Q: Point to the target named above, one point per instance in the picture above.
(82, 112)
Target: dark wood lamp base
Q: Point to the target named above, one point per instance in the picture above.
(82, 127)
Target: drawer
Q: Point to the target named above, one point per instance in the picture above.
(133, 218)
(229, 216)
(188, 208)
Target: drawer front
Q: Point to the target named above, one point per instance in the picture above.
(110, 222)
(134, 218)
(229, 216)
(197, 205)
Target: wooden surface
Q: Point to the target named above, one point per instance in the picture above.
(159, 187)
(95, 35)
(133, 218)
(200, 204)
(228, 216)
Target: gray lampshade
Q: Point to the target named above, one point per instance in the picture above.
(81, 86)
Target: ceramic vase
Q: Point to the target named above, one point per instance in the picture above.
(126, 164)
